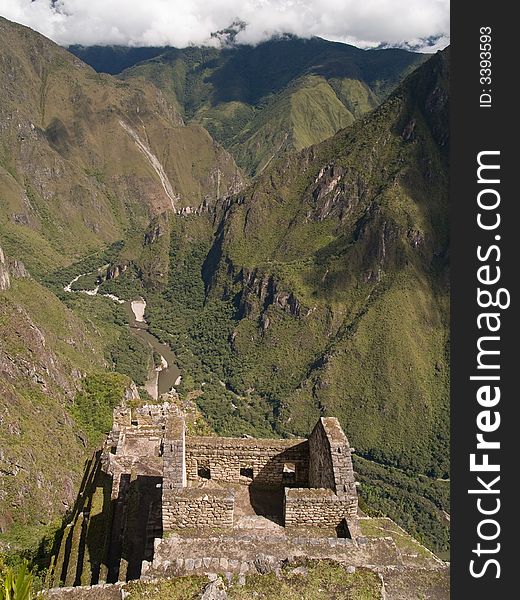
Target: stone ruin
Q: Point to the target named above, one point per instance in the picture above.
(200, 477)
(157, 503)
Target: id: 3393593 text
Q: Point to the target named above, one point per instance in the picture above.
(485, 72)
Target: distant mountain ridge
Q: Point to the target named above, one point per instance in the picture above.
(64, 189)
(263, 101)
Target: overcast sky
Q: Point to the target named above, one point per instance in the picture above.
(364, 23)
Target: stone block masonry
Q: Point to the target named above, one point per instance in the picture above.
(317, 507)
(317, 473)
(266, 462)
(194, 508)
(330, 464)
(252, 505)
(174, 455)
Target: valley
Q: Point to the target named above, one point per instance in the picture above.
(263, 229)
(258, 107)
(163, 373)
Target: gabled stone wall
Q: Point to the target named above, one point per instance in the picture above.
(331, 496)
(330, 464)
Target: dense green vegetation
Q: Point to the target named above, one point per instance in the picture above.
(418, 504)
(131, 356)
(199, 331)
(127, 353)
(92, 409)
(16, 583)
(56, 280)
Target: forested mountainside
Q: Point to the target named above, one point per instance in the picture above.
(318, 287)
(337, 261)
(85, 161)
(45, 352)
(263, 101)
(336, 264)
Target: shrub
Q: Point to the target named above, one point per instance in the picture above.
(16, 583)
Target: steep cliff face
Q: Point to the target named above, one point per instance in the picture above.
(35, 383)
(84, 157)
(45, 353)
(5, 279)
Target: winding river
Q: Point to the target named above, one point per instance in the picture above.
(161, 378)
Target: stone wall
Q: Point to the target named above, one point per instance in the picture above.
(317, 507)
(173, 453)
(196, 508)
(223, 458)
(330, 464)
(321, 471)
(155, 415)
(316, 473)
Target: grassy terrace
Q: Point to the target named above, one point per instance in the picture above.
(384, 527)
(322, 580)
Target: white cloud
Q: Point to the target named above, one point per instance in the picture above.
(180, 23)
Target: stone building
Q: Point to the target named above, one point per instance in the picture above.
(310, 481)
(158, 503)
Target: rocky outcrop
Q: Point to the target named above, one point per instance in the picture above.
(261, 290)
(335, 193)
(115, 270)
(214, 591)
(5, 280)
(154, 232)
(10, 268)
(17, 269)
(158, 227)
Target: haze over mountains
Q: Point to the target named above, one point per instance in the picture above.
(283, 211)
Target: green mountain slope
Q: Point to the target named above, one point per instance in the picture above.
(336, 260)
(322, 288)
(324, 291)
(84, 157)
(262, 101)
(45, 353)
(85, 161)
